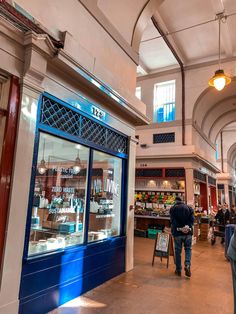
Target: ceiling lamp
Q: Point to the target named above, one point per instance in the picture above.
(77, 165)
(42, 165)
(219, 80)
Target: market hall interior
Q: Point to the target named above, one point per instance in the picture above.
(109, 111)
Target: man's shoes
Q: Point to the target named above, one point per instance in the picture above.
(187, 271)
(178, 272)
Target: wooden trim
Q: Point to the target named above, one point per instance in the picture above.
(7, 159)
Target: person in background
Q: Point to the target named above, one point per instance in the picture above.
(223, 217)
(232, 256)
(182, 219)
(233, 215)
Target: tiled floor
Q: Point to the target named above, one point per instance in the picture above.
(151, 290)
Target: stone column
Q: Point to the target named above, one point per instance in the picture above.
(226, 185)
(129, 263)
(189, 186)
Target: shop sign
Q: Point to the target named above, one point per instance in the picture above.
(98, 113)
(111, 187)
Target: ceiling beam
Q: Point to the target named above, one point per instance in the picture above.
(170, 38)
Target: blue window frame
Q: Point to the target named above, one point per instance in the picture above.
(56, 119)
(164, 102)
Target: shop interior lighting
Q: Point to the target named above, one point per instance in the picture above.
(220, 80)
(42, 165)
(77, 165)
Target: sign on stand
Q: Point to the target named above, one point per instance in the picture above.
(164, 247)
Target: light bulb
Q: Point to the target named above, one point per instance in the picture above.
(77, 166)
(219, 80)
(219, 83)
(42, 167)
(76, 169)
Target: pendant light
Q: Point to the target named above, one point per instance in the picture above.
(219, 80)
(77, 165)
(42, 165)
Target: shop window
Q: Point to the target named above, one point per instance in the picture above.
(164, 102)
(138, 92)
(105, 197)
(59, 201)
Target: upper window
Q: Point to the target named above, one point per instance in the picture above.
(138, 92)
(164, 102)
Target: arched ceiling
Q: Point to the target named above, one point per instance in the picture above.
(194, 44)
(129, 17)
(231, 156)
(214, 110)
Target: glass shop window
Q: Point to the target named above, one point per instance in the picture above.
(105, 202)
(58, 210)
(164, 102)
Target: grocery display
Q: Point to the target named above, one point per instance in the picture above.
(155, 203)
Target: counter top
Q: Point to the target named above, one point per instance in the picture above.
(152, 217)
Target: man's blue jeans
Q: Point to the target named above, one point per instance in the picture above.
(185, 240)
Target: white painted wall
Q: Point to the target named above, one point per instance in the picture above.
(196, 81)
(91, 47)
(88, 43)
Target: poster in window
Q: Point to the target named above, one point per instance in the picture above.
(162, 242)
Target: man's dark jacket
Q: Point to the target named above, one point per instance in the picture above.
(181, 215)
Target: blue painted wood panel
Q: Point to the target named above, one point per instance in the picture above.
(50, 281)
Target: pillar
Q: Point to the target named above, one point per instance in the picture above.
(189, 186)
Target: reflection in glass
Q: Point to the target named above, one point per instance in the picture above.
(58, 212)
(105, 202)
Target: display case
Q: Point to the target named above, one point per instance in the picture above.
(58, 215)
(156, 196)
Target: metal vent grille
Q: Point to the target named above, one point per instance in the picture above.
(164, 138)
(211, 181)
(150, 172)
(70, 121)
(177, 173)
(199, 176)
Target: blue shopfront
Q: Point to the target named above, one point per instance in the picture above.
(75, 231)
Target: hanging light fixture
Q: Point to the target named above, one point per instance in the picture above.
(219, 80)
(77, 165)
(42, 165)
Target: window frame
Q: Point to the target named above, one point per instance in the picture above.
(40, 128)
(164, 106)
(138, 92)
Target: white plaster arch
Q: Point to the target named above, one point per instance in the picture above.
(129, 17)
(214, 110)
(224, 120)
(231, 155)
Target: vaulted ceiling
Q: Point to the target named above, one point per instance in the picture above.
(191, 26)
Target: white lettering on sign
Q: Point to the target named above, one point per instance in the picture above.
(111, 187)
(98, 113)
(67, 210)
(58, 189)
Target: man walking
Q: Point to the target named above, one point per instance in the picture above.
(182, 219)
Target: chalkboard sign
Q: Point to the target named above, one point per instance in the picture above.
(162, 244)
(163, 247)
